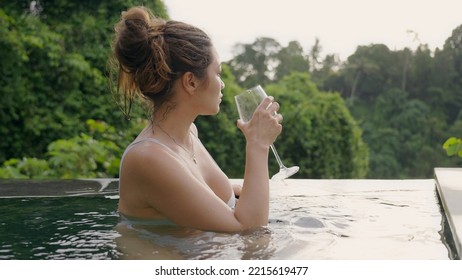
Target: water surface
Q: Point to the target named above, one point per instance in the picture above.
(309, 219)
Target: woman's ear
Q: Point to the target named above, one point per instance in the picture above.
(190, 82)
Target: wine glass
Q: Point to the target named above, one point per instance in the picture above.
(247, 102)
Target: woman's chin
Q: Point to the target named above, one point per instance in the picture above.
(212, 113)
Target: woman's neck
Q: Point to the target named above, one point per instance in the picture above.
(176, 124)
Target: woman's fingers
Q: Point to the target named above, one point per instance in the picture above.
(273, 107)
(278, 118)
(240, 124)
(266, 103)
(270, 105)
(265, 124)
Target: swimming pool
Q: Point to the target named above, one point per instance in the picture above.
(309, 219)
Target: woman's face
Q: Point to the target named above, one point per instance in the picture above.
(211, 92)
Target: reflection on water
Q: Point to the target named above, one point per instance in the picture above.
(309, 219)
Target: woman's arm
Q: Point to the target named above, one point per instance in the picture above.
(176, 193)
(260, 132)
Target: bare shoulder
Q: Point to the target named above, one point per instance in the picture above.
(156, 181)
(147, 159)
(148, 172)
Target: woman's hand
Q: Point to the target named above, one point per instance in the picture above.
(265, 125)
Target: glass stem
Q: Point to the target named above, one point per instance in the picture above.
(277, 157)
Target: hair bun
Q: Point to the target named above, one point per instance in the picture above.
(137, 14)
(143, 23)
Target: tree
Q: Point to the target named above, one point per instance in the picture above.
(314, 56)
(420, 75)
(324, 144)
(291, 59)
(360, 67)
(405, 56)
(397, 131)
(255, 63)
(453, 54)
(54, 56)
(369, 70)
(453, 45)
(328, 69)
(41, 86)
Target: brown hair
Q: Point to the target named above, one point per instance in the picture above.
(151, 54)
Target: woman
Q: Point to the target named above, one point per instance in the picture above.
(166, 174)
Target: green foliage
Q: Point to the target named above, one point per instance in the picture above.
(323, 143)
(53, 74)
(92, 154)
(265, 61)
(406, 103)
(453, 146)
(253, 63)
(53, 79)
(26, 168)
(291, 59)
(58, 54)
(319, 133)
(83, 156)
(403, 135)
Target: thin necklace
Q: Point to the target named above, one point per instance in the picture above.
(193, 155)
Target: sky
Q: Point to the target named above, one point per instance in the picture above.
(340, 25)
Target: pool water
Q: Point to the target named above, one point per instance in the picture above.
(58, 228)
(309, 219)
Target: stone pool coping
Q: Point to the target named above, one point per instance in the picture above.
(449, 186)
(11, 188)
(448, 182)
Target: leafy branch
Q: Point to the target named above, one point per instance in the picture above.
(453, 146)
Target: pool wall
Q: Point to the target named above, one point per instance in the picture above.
(449, 186)
(10, 188)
